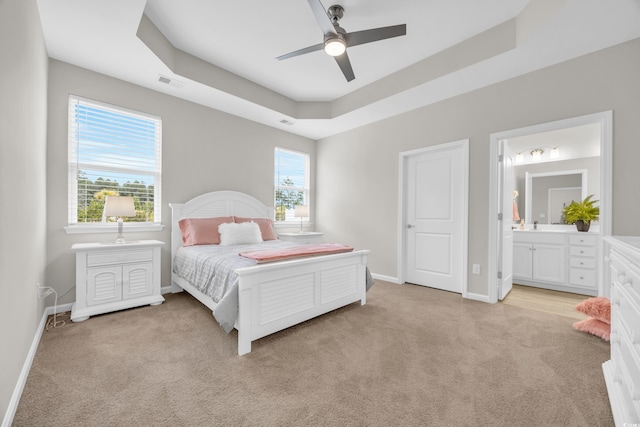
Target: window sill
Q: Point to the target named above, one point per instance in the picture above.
(111, 228)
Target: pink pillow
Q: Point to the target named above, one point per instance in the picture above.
(265, 224)
(598, 307)
(594, 327)
(201, 231)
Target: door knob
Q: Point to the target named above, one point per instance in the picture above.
(410, 226)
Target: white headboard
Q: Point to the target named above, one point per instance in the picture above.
(214, 204)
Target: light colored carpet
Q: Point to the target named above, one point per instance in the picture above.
(412, 356)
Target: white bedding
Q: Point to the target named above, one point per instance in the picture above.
(211, 269)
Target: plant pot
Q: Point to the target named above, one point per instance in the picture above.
(582, 226)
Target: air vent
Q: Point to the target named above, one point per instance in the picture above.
(169, 81)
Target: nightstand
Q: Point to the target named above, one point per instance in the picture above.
(304, 237)
(116, 276)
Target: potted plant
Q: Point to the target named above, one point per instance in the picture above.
(581, 213)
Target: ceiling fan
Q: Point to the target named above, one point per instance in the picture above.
(336, 39)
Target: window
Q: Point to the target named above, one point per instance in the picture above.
(291, 182)
(112, 151)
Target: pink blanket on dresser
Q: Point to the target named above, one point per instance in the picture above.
(270, 255)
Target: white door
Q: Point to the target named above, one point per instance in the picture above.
(507, 186)
(435, 218)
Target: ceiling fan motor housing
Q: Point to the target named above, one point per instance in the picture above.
(336, 12)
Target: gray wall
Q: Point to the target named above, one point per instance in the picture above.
(357, 176)
(23, 119)
(202, 150)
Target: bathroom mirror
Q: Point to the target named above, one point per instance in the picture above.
(547, 193)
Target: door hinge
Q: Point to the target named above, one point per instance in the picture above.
(499, 217)
(501, 158)
(499, 274)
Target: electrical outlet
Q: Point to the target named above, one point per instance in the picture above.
(44, 291)
(476, 268)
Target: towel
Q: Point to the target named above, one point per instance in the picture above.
(516, 215)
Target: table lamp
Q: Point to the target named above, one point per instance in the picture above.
(302, 211)
(119, 206)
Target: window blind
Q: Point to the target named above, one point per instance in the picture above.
(112, 151)
(291, 182)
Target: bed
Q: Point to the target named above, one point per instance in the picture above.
(270, 297)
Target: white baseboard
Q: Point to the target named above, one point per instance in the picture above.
(24, 373)
(477, 297)
(386, 278)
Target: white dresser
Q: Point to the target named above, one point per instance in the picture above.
(622, 372)
(558, 260)
(115, 276)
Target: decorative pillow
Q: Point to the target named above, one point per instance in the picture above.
(265, 224)
(594, 327)
(597, 307)
(202, 231)
(246, 233)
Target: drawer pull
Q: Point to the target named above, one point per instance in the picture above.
(581, 263)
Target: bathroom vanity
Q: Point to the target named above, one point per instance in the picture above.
(561, 260)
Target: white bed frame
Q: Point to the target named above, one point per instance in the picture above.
(273, 296)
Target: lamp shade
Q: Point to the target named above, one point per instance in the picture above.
(119, 206)
(302, 211)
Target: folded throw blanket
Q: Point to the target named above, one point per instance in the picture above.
(270, 255)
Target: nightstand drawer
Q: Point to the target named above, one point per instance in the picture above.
(582, 251)
(119, 257)
(582, 277)
(582, 262)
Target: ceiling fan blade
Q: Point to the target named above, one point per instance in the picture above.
(375, 34)
(345, 66)
(299, 52)
(322, 17)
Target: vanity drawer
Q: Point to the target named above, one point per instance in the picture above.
(117, 257)
(578, 262)
(582, 251)
(583, 240)
(582, 277)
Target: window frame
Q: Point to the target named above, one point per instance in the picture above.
(73, 166)
(306, 189)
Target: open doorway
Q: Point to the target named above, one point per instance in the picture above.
(499, 192)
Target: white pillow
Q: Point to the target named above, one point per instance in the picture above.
(244, 233)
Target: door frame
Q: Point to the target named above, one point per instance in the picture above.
(403, 159)
(605, 119)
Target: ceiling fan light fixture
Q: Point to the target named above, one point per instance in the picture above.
(335, 46)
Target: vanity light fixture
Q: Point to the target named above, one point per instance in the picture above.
(537, 154)
(555, 153)
(519, 158)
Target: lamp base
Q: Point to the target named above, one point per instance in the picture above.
(120, 238)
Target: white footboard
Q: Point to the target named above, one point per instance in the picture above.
(273, 297)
